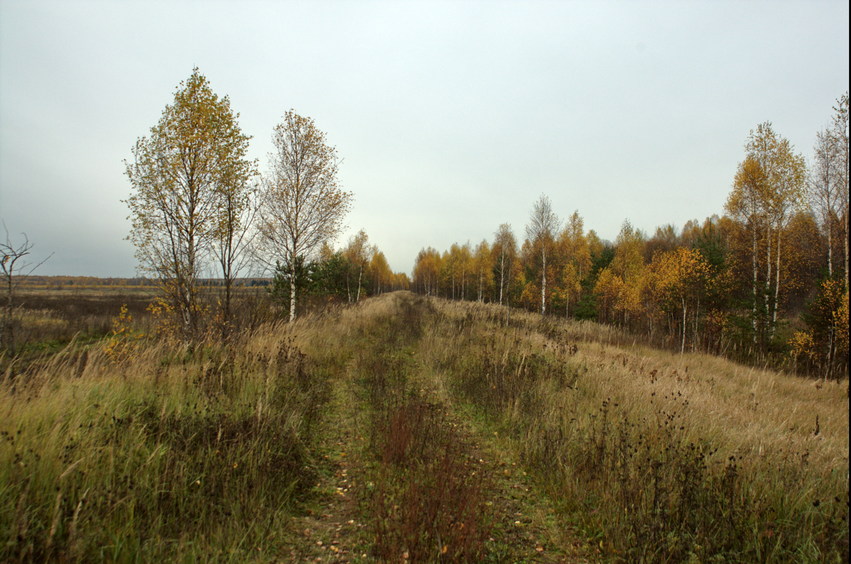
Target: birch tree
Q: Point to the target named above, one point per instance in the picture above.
(839, 147)
(462, 258)
(193, 159)
(747, 204)
(483, 265)
(785, 177)
(426, 274)
(358, 253)
(679, 278)
(823, 188)
(232, 244)
(541, 231)
(628, 266)
(302, 204)
(505, 249)
(382, 276)
(573, 244)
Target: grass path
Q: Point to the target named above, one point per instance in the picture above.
(331, 529)
(391, 426)
(526, 528)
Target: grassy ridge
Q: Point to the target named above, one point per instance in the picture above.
(659, 457)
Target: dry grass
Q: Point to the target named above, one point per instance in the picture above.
(197, 452)
(747, 410)
(48, 318)
(207, 452)
(660, 456)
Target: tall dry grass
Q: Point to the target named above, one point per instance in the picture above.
(658, 456)
(165, 452)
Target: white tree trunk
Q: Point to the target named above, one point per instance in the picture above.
(776, 287)
(768, 269)
(846, 248)
(544, 284)
(755, 283)
(292, 292)
(829, 246)
(501, 274)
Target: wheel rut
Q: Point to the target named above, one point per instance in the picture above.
(407, 473)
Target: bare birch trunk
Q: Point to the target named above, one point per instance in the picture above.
(776, 287)
(755, 282)
(829, 247)
(768, 266)
(501, 274)
(463, 285)
(544, 284)
(846, 250)
(292, 292)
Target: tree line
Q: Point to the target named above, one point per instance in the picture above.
(766, 281)
(200, 207)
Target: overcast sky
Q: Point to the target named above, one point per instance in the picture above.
(451, 117)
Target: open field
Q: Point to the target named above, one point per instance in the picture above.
(58, 315)
(408, 428)
(48, 314)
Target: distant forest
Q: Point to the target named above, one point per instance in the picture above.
(765, 282)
